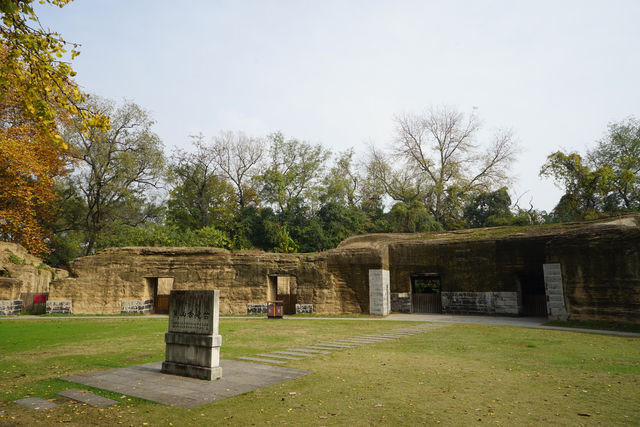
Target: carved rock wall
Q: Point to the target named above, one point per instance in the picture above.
(100, 283)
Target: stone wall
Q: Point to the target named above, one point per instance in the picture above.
(10, 307)
(600, 272)
(33, 274)
(59, 307)
(480, 303)
(401, 302)
(256, 308)
(600, 280)
(137, 306)
(304, 308)
(329, 281)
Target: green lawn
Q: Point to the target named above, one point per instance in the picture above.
(455, 375)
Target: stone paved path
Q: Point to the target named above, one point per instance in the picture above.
(148, 382)
(283, 356)
(36, 403)
(87, 397)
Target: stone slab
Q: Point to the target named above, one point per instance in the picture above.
(293, 353)
(324, 347)
(36, 403)
(148, 382)
(279, 356)
(308, 350)
(260, 359)
(340, 345)
(87, 397)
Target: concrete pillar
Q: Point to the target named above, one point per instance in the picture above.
(379, 292)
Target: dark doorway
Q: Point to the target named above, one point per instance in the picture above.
(160, 288)
(425, 293)
(534, 298)
(283, 288)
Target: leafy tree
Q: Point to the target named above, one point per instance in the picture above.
(619, 154)
(161, 235)
(293, 175)
(583, 184)
(412, 218)
(116, 168)
(338, 222)
(199, 196)
(606, 180)
(489, 208)
(342, 185)
(34, 61)
(440, 146)
(29, 164)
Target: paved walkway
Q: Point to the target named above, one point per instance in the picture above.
(300, 353)
(523, 322)
(148, 382)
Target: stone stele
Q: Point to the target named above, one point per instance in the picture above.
(193, 343)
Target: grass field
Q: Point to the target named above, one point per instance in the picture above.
(455, 375)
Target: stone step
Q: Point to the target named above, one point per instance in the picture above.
(36, 403)
(87, 397)
(340, 345)
(308, 350)
(375, 338)
(323, 347)
(293, 353)
(279, 356)
(258, 359)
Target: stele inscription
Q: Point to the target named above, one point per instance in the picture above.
(193, 312)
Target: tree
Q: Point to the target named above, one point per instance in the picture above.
(34, 60)
(342, 185)
(402, 183)
(29, 164)
(116, 168)
(440, 145)
(489, 208)
(294, 173)
(412, 218)
(200, 196)
(619, 153)
(583, 184)
(238, 158)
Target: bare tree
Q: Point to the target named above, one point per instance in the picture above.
(403, 184)
(440, 144)
(238, 158)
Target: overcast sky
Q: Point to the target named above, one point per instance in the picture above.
(337, 72)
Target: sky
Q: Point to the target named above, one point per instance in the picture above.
(338, 72)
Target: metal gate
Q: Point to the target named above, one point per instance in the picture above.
(425, 293)
(426, 303)
(534, 305)
(288, 302)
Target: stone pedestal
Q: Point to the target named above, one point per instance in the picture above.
(193, 343)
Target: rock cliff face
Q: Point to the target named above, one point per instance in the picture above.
(101, 282)
(584, 271)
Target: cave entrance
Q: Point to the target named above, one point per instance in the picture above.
(425, 293)
(534, 298)
(160, 288)
(283, 288)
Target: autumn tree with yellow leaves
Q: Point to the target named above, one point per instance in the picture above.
(37, 94)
